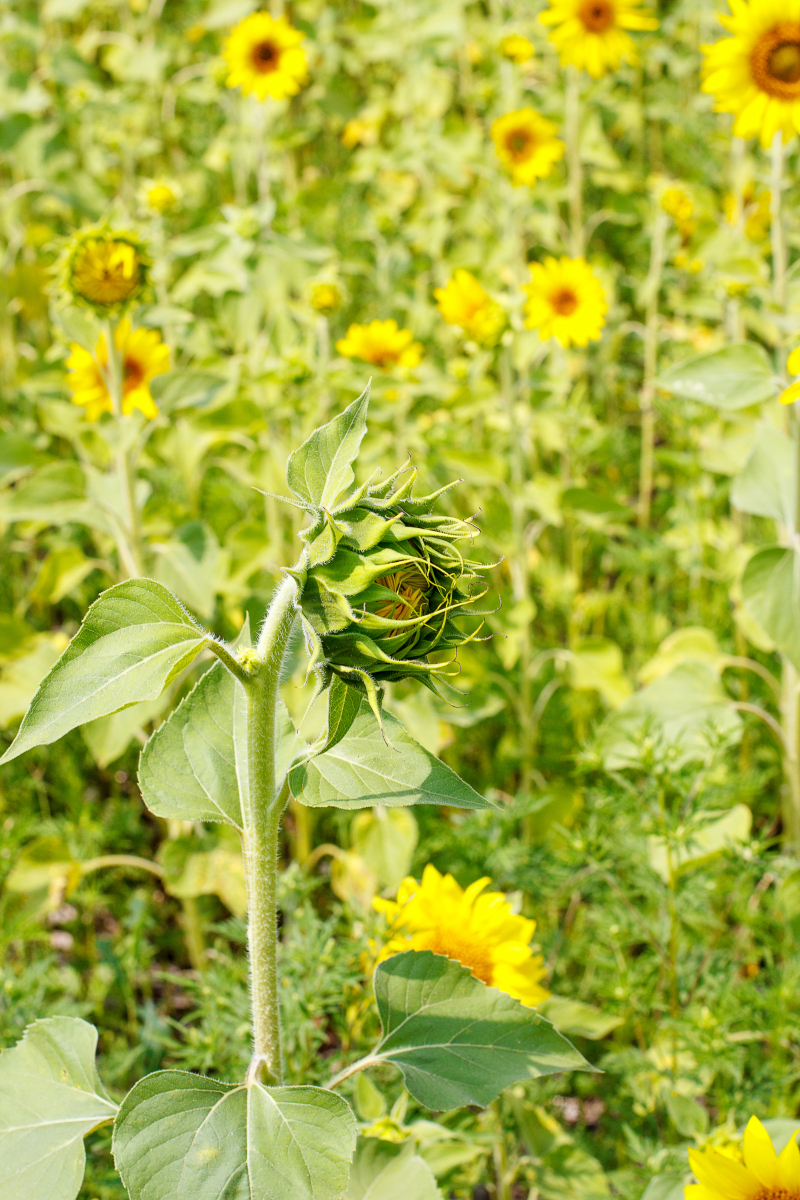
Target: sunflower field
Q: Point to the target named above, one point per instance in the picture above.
(400, 599)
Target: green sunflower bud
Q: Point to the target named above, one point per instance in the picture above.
(384, 590)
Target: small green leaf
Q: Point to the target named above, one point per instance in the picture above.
(180, 1136)
(321, 469)
(134, 639)
(767, 486)
(388, 1171)
(362, 770)
(50, 1098)
(386, 839)
(771, 594)
(182, 389)
(456, 1040)
(737, 376)
(573, 1018)
(688, 1117)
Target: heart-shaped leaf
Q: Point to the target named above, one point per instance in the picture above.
(134, 639)
(184, 1137)
(50, 1098)
(456, 1040)
(737, 376)
(321, 469)
(361, 770)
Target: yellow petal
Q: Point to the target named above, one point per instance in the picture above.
(792, 363)
(791, 394)
(789, 1166)
(759, 1153)
(723, 1175)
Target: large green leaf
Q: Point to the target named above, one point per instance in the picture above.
(456, 1040)
(771, 594)
(767, 485)
(734, 377)
(361, 770)
(134, 639)
(180, 1136)
(194, 767)
(390, 1171)
(321, 469)
(50, 1098)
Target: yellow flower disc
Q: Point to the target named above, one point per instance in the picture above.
(517, 48)
(265, 58)
(763, 1175)
(592, 34)
(105, 271)
(464, 302)
(526, 145)
(565, 301)
(382, 343)
(755, 74)
(325, 297)
(161, 197)
(143, 356)
(475, 927)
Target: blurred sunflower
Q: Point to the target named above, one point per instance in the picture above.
(763, 1175)
(591, 34)
(325, 297)
(526, 145)
(472, 926)
(755, 75)
(382, 343)
(143, 356)
(465, 303)
(517, 48)
(565, 301)
(161, 197)
(107, 270)
(265, 58)
(792, 393)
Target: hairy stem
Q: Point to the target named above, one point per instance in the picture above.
(262, 818)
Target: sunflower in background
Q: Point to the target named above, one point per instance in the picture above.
(265, 57)
(516, 48)
(476, 928)
(381, 343)
(526, 145)
(566, 301)
(755, 75)
(105, 269)
(464, 302)
(592, 34)
(760, 1174)
(792, 392)
(143, 356)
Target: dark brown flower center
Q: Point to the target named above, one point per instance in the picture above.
(564, 302)
(775, 61)
(596, 15)
(265, 56)
(519, 144)
(134, 372)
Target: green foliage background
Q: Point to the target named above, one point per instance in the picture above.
(698, 967)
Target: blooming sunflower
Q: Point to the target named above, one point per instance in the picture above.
(143, 356)
(517, 48)
(382, 343)
(264, 57)
(755, 75)
(464, 302)
(475, 927)
(763, 1175)
(526, 145)
(565, 301)
(591, 34)
(107, 270)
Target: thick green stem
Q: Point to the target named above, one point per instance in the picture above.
(572, 110)
(262, 818)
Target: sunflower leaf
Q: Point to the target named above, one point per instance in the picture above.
(321, 469)
(456, 1040)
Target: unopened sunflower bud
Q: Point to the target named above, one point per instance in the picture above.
(105, 269)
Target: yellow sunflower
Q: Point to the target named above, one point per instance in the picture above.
(325, 297)
(755, 75)
(526, 145)
(264, 57)
(107, 270)
(565, 301)
(792, 392)
(382, 343)
(464, 302)
(592, 34)
(143, 356)
(763, 1175)
(517, 48)
(475, 927)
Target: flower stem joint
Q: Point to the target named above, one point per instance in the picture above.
(383, 588)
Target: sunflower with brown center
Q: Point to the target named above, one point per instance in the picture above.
(105, 269)
(142, 355)
(265, 57)
(592, 35)
(526, 145)
(566, 301)
(755, 74)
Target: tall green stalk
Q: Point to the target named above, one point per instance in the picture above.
(572, 112)
(129, 541)
(652, 288)
(262, 816)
